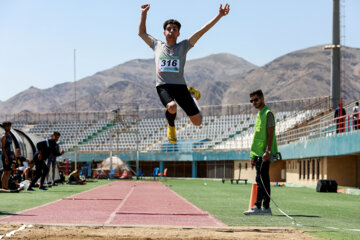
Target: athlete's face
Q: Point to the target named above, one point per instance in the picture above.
(171, 32)
(7, 128)
(56, 138)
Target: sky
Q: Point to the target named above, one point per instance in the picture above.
(38, 37)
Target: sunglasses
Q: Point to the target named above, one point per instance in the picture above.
(254, 100)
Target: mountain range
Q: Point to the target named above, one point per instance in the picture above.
(221, 78)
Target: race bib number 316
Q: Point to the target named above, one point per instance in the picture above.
(169, 64)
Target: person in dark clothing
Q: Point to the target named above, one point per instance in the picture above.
(7, 155)
(45, 148)
(61, 180)
(356, 117)
(52, 163)
(263, 152)
(340, 119)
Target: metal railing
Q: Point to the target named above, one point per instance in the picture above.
(324, 128)
(126, 109)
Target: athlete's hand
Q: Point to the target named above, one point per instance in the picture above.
(62, 152)
(145, 8)
(224, 11)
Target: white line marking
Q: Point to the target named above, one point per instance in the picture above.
(26, 210)
(210, 216)
(17, 230)
(113, 214)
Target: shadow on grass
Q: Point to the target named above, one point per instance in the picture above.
(308, 216)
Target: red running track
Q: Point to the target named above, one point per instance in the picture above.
(119, 203)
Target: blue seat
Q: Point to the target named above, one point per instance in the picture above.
(139, 173)
(155, 173)
(84, 170)
(111, 174)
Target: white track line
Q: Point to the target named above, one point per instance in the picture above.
(113, 214)
(17, 230)
(26, 210)
(211, 217)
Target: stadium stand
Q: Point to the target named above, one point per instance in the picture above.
(218, 148)
(216, 132)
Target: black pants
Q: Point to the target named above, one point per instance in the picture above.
(262, 196)
(40, 172)
(356, 124)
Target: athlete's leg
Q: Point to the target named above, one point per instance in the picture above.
(53, 174)
(48, 165)
(167, 99)
(170, 114)
(187, 101)
(5, 179)
(171, 107)
(196, 119)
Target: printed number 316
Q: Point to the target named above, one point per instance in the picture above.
(169, 63)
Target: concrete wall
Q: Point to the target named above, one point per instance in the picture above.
(344, 169)
(247, 172)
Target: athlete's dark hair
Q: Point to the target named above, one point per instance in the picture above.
(257, 93)
(56, 134)
(6, 123)
(357, 103)
(172, 21)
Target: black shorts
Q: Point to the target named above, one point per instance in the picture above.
(179, 93)
(7, 167)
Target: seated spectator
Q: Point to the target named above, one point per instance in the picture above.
(14, 183)
(62, 178)
(21, 161)
(29, 174)
(74, 178)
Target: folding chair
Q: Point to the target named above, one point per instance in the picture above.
(155, 173)
(163, 174)
(111, 174)
(139, 174)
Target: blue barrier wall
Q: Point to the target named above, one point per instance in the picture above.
(166, 156)
(336, 145)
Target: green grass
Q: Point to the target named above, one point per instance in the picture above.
(15, 202)
(314, 211)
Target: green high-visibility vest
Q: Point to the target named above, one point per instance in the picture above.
(258, 146)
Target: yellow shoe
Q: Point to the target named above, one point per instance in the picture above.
(195, 92)
(171, 134)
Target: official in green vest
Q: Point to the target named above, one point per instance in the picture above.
(263, 152)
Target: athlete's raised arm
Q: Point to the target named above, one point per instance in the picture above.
(197, 35)
(142, 25)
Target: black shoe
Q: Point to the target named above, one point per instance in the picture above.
(43, 188)
(54, 184)
(30, 189)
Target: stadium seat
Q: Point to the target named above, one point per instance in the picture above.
(163, 174)
(111, 174)
(155, 173)
(139, 174)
